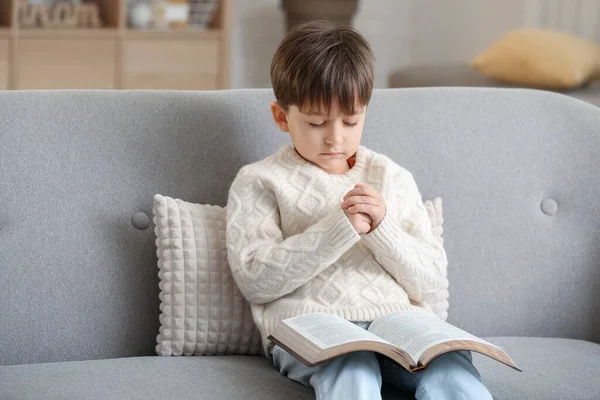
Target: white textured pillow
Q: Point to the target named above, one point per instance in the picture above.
(434, 210)
(202, 309)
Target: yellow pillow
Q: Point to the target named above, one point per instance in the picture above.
(540, 58)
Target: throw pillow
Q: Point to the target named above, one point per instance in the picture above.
(202, 311)
(540, 58)
(436, 215)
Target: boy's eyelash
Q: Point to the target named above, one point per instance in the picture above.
(350, 124)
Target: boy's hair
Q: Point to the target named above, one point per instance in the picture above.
(318, 63)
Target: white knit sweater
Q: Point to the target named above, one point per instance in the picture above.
(292, 250)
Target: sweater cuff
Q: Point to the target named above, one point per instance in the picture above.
(385, 237)
(339, 231)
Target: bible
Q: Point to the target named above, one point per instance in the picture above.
(412, 339)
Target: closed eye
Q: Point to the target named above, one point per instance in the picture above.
(316, 125)
(350, 124)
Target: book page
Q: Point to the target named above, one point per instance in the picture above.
(328, 330)
(415, 332)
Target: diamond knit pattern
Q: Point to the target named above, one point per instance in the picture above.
(292, 250)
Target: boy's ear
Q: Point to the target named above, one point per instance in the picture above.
(279, 116)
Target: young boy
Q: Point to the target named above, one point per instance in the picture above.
(328, 225)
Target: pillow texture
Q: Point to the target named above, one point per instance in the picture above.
(540, 58)
(202, 310)
(436, 215)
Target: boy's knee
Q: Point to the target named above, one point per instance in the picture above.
(452, 376)
(359, 365)
(351, 376)
(360, 358)
(456, 361)
(456, 391)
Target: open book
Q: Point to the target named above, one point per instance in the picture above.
(411, 338)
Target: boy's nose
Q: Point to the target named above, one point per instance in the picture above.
(333, 137)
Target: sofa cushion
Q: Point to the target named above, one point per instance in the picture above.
(552, 369)
(147, 378)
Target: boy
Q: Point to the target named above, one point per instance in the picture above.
(328, 225)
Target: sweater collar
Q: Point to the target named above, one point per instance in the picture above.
(296, 160)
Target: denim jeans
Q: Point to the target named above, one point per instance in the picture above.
(360, 375)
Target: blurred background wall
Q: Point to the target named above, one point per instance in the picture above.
(219, 44)
(408, 32)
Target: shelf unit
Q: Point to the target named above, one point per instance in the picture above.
(114, 56)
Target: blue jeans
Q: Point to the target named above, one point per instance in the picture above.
(360, 375)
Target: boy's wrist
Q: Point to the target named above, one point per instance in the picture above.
(376, 224)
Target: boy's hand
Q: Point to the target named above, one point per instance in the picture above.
(365, 199)
(360, 221)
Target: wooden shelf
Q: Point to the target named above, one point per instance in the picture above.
(188, 34)
(107, 33)
(103, 33)
(114, 56)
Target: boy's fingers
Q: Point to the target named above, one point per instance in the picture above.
(350, 201)
(362, 208)
(366, 218)
(361, 191)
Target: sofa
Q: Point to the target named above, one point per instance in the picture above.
(462, 75)
(517, 171)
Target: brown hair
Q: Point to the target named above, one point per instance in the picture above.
(318, 63)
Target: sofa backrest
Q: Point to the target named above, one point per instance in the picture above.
(517, 171)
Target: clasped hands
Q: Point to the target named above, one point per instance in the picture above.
(364, 207)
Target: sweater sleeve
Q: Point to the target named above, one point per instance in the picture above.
(405, 246)
(264, 264)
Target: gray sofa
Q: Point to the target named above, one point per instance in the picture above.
(461, 75)
(517, 171)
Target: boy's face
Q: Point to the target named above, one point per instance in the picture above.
(327, 139)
